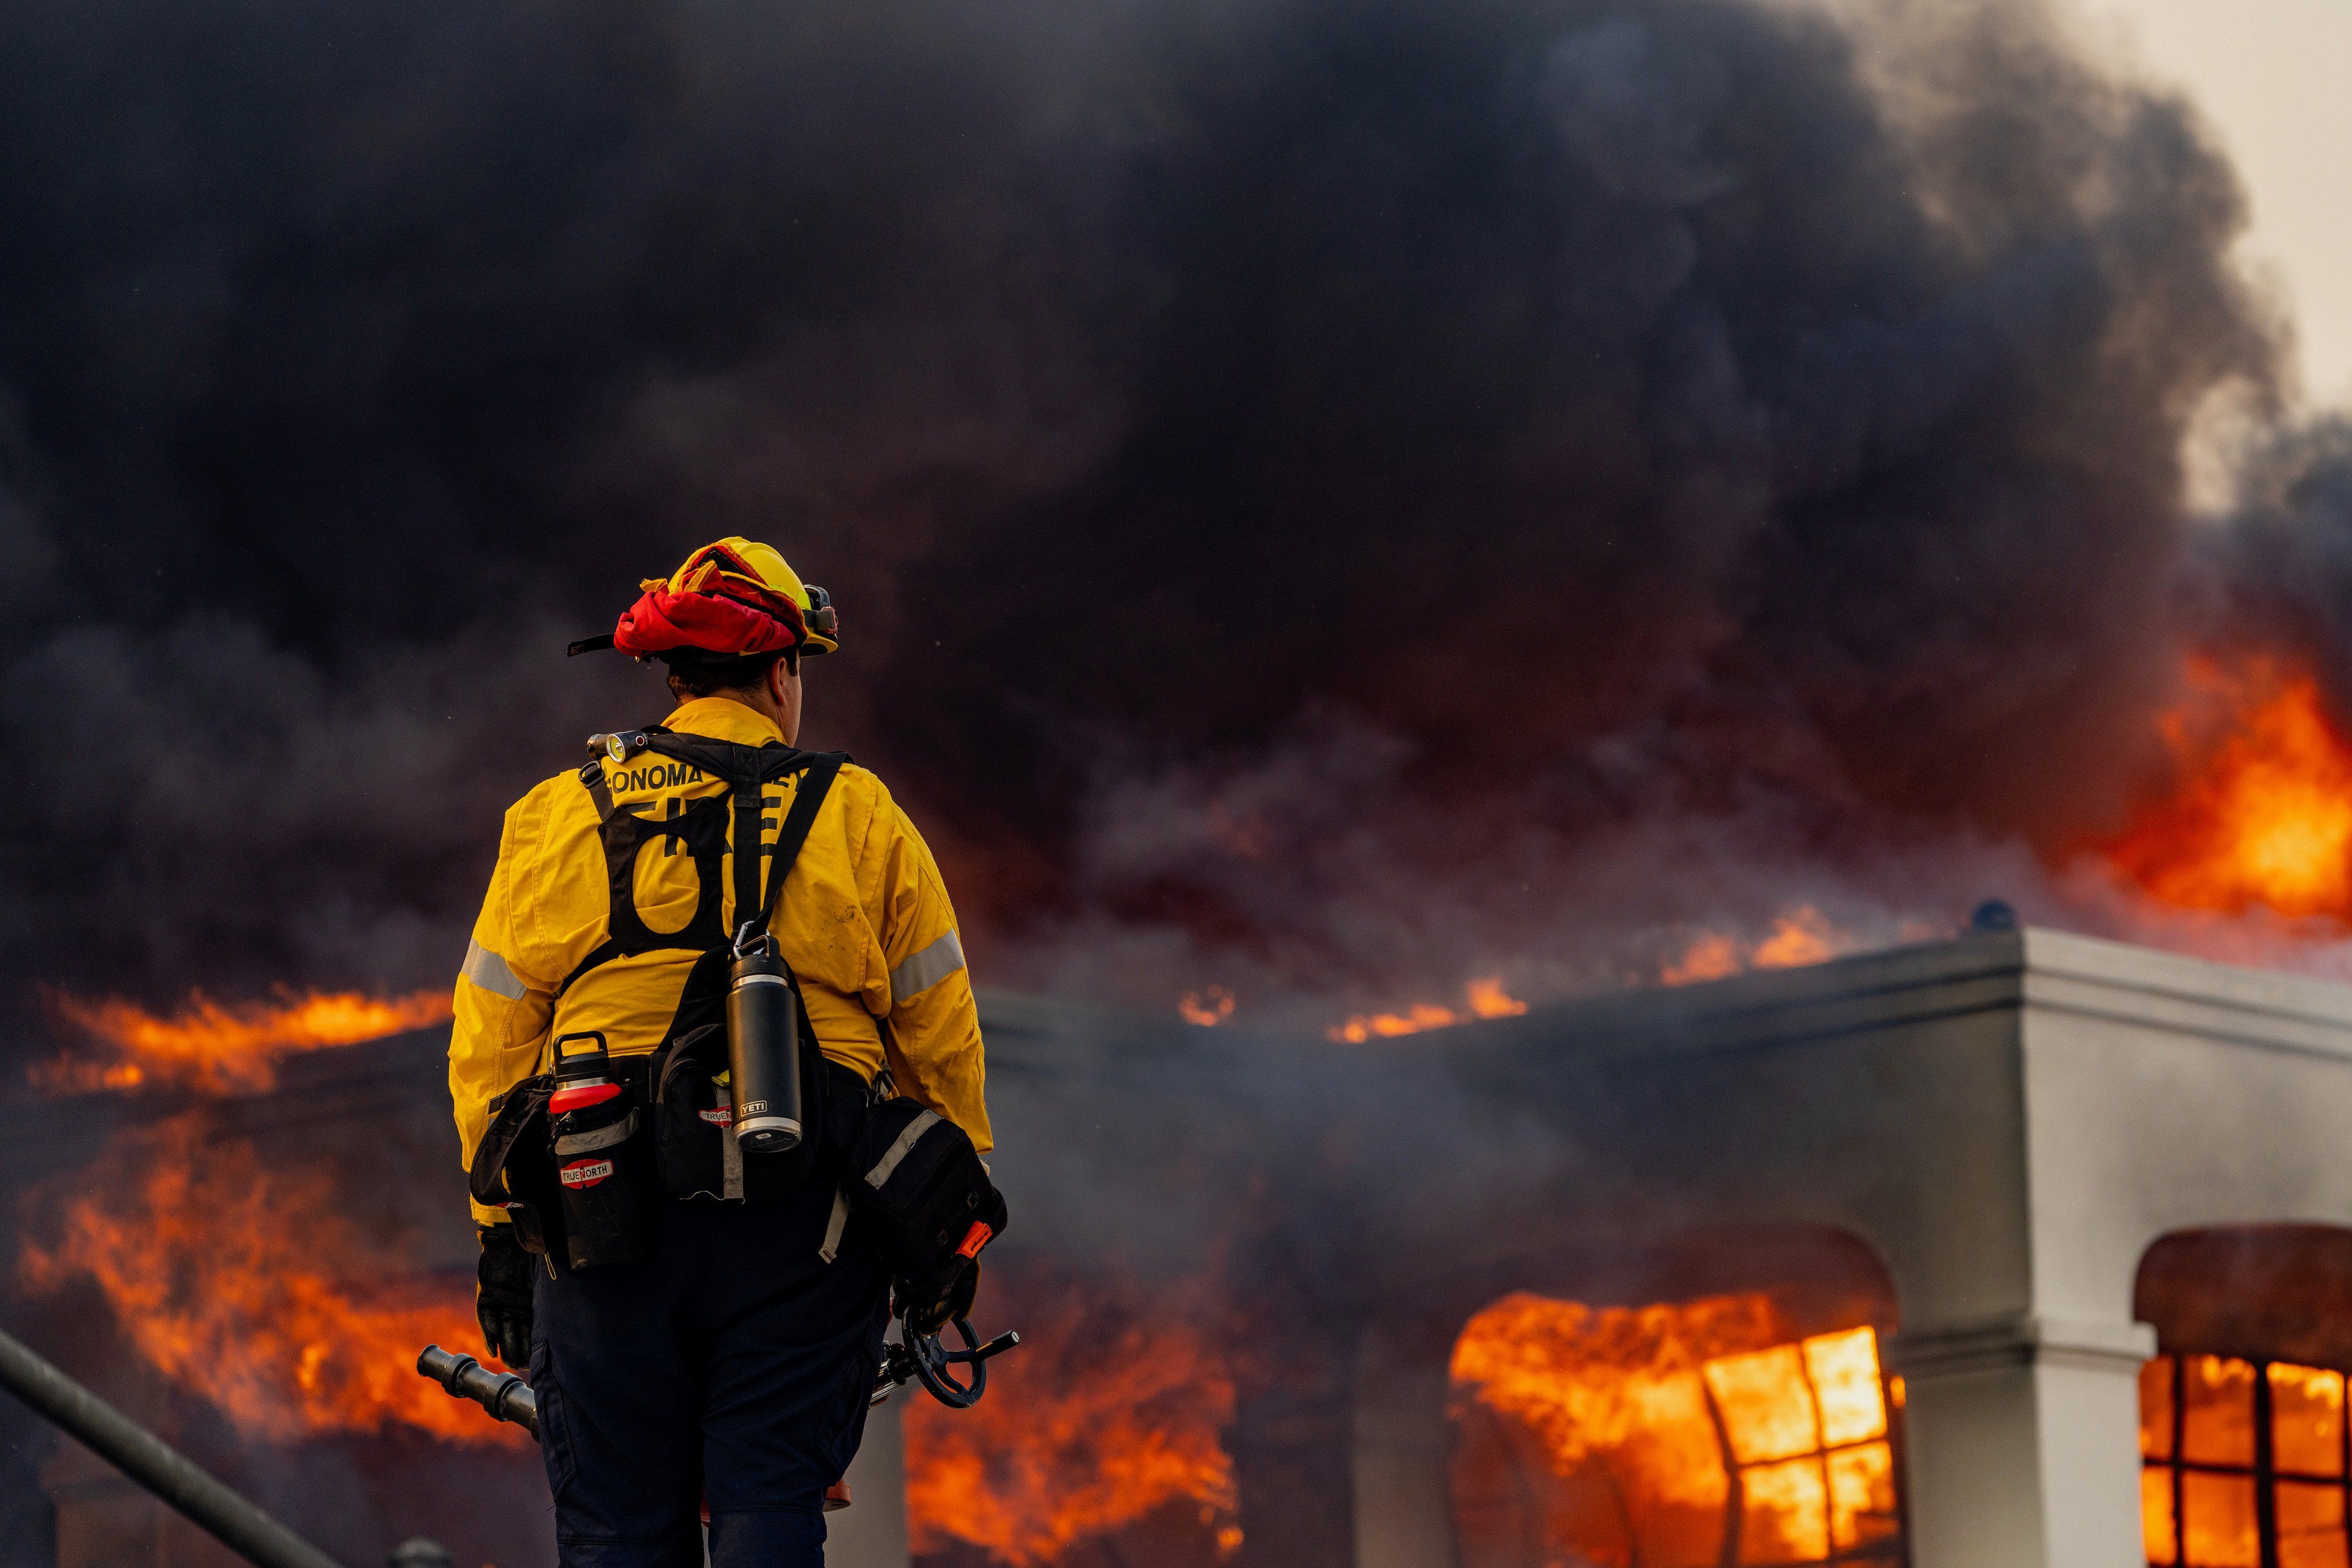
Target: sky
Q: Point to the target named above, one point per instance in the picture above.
(2269, 76)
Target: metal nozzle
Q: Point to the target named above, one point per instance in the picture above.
(502, 1394)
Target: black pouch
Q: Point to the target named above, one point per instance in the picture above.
(915, 1178)
(512, 1169)
(692, 1153)
(694, 1116)
(600, 1166)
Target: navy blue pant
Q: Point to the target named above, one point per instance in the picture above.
(734, 1367)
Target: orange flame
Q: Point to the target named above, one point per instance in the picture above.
(2198, 1451)
(232, 1280)
(1799, 936)
(1484, 997)
(225, 1050)
(1691, 1433)
(1207, 1008)
(1103, 1419)
(2265, 813)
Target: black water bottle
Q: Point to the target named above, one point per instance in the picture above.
(763, 1048)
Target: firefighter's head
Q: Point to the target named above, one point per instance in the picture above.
(734, 619)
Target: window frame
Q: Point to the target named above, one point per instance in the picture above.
(1890, 1552)
(2263, 1473)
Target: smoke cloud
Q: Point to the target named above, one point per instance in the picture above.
(1324, 493)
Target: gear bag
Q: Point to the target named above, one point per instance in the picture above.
(600, 1161)
(514, 1166)
(915, 1178)
(694, 1109)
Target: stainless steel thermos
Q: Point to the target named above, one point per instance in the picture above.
(763, 1053)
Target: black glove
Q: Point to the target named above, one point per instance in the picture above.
(502, 1303)
(929, 1304)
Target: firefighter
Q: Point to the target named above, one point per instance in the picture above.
(730, 1367)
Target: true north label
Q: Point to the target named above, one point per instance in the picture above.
(586, 1173)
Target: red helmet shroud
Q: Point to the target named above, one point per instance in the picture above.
(722, 609)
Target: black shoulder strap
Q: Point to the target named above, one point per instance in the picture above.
(745, 769)
(592, 775)
(824, 766)
(747, 800)
(730, 760)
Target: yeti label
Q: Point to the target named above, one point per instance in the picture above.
(586, 1173)
(753, 1107)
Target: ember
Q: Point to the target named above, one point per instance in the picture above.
(1676, 1436)
(2263, 816)
(225, 1050)
(234, 1280)
(1484, 997)
(1206, 1007)
(1107, 1416)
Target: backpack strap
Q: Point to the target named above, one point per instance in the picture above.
(591, 776)
(746, 770)
(823, 768)
(747, 800)
(729, 760)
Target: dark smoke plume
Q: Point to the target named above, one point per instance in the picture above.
(1324, 491)
(2285, 562)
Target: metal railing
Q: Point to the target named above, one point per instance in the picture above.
(154, 1464)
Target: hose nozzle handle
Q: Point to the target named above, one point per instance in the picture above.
(502, 1394)
(919, 1357)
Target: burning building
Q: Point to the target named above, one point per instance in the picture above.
(2016, 1249)
(2020, 1248)
(1402, 509)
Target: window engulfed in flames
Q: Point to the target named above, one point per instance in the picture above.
(1699, 1434)
(2243, 1464)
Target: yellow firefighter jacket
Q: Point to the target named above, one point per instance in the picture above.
(864, 921)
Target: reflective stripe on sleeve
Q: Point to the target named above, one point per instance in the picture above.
(490, 972)
(927, 969)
